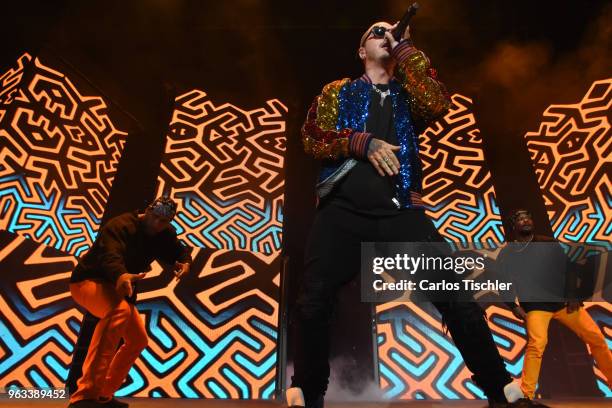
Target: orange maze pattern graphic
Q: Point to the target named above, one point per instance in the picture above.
(9, 81)
(457, 186)
(224, 165)
(58, 157)
(416, 359)
(571, 155)
(212, 335)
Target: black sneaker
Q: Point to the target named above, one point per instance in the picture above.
(86, 403)
(317, 402)
(496, 404)
(114, 403)
(527, 403)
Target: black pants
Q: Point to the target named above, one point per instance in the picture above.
(332, 259)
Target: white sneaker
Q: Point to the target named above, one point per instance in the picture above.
(295, 397)
(513, 392)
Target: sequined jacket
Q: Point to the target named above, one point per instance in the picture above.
(334, 130)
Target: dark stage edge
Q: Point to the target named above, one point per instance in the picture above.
(201, 403)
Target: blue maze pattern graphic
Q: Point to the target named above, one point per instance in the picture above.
(224, 165)
(212, 335)
(59, 156)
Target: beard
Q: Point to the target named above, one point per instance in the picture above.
(525, 230)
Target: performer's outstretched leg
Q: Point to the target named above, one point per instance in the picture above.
(465, 321)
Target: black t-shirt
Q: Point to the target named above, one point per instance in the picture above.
(536, 272)
(364, 190)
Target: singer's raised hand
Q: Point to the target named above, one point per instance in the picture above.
(389, 36)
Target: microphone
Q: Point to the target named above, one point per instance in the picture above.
(401, 27)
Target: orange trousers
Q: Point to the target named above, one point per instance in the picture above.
(105, 368)
(581, 323)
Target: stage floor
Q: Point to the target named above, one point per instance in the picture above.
(193, 403)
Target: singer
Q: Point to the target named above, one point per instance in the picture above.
(365, 132)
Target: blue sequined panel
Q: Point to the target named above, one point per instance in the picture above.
(353, 105)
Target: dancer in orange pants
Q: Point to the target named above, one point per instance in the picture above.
(522, 263)
(124, 248)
